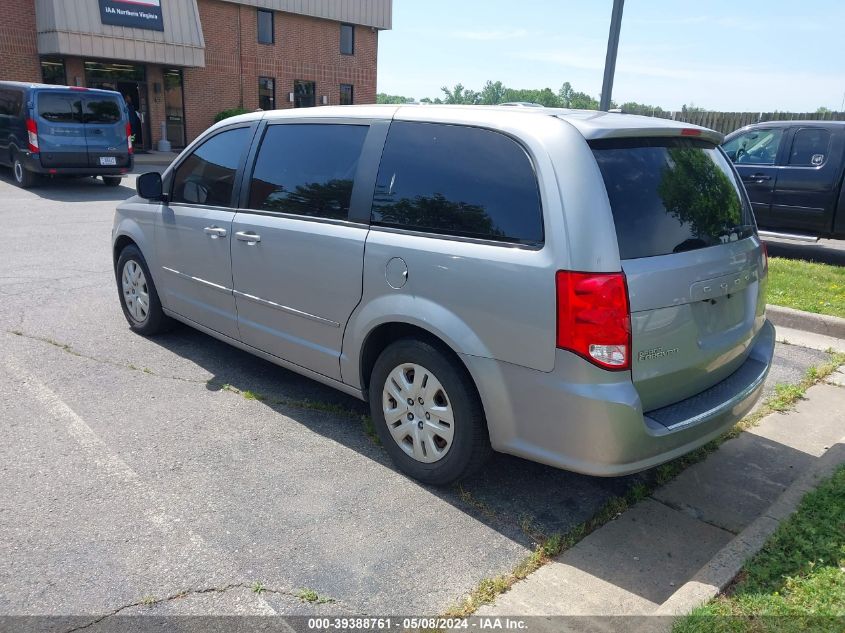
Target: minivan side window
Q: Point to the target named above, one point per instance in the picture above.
(60, 108)
(755, 147)
(457, 180)
(207, 176)
(307, 169)
(809, 147)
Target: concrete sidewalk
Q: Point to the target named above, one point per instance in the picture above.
(686, 542)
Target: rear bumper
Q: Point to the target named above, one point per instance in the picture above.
(581, 418)
(32, 162)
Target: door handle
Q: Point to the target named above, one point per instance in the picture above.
(215, 232)
(757, 178)
(249, 237)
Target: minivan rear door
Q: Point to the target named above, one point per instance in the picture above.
(105, 130)
(692, 261)
(61, 131)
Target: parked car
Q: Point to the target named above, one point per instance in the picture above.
(583, 290)
(63, 131)
(793, 172)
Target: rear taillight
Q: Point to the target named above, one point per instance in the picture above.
(129, 137)
(765, 258)
(593, 318)
(32, 135)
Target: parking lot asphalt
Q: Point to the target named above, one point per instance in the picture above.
(137, 469)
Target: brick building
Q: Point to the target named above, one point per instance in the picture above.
(182, 61)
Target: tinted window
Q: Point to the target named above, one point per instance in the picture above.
(458, 181)
(60, 107)
(11, 102)
(671, 195)
(347, 39)
(265, 27)
(755, 147)
(809, 147)
(307, 169)
(207, 176)
(102, 110)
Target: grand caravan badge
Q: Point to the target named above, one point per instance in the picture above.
(657, 352)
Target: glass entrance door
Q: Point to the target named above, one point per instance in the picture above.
(174, 106)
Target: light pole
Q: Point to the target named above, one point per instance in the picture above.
(610, 61)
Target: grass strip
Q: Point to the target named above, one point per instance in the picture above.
(796, 582)
(807, 286)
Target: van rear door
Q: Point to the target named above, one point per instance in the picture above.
(61, 131)
(105, 130)
(692, 260)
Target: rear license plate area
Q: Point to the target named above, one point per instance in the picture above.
(108, 161)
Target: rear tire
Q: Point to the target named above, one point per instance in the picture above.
(427, 413)
(23, 177)
(138, 294)
(111, 181)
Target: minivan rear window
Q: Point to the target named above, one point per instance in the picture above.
(60, 107)
(670, 195)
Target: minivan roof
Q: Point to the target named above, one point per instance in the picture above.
(591, 124)
(36, 86)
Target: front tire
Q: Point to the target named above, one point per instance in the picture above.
(427, 413)
(138, 295)
(23, 177)
(111, 181)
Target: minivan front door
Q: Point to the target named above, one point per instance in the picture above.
(194, 232)
(297, 260)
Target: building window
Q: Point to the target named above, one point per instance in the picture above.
(347, 39)
(347, 94)
(304, 94)
(53, 71)
(266, 93)
(265, 27)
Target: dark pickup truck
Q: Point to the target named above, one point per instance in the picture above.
(793, 173)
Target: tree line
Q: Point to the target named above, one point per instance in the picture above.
(495, 92)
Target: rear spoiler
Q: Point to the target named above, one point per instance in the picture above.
(605, 125)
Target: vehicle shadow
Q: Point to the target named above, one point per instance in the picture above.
(824, 252)
(66, 189)
(522, 500)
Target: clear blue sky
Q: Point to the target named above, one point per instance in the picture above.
(748, 55)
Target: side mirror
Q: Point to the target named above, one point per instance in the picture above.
(149, 186)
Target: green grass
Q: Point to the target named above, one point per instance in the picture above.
(800, 572)
(807, 286)
(312, 597)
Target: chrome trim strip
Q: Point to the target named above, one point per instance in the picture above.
(202, 282)
(299, 313)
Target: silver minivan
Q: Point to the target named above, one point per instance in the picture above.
(581, 289)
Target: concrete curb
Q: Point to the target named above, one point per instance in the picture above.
(807, 321)
(726, 564)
